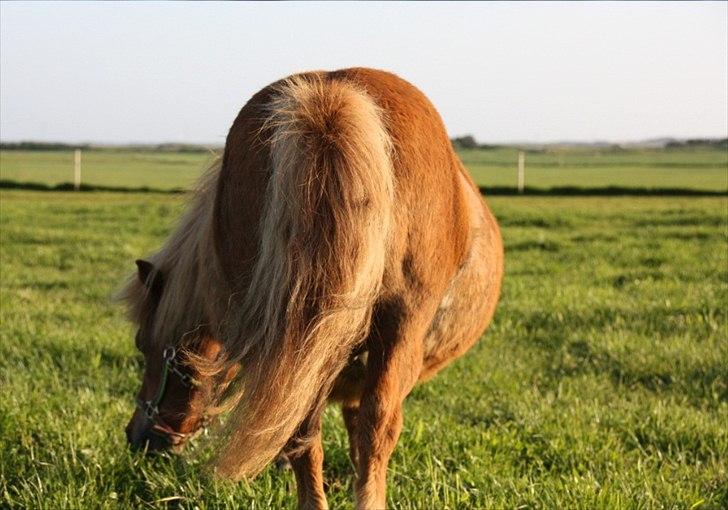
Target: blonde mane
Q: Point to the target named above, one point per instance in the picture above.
(189, 267)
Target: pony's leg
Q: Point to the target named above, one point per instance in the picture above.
(351, 420)
(307, 463)
(391, 375)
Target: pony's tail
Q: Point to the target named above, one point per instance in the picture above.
(323, 239)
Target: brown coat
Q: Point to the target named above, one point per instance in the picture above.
(341, 252)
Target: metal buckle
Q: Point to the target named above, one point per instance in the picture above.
(169, 354)
(148, 409)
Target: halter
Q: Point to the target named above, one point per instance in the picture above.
(150, 408)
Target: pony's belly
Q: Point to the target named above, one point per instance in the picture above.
(350, 382)
(460, 319)
(469, 303)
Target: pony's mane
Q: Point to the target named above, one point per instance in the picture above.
(189, 269)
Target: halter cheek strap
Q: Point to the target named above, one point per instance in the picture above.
(150, 408)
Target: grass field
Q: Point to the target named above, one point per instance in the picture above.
(705, 169)
(603, 382)
(106, 167)
(691, 168)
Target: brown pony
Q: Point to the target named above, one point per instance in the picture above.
(339, 251)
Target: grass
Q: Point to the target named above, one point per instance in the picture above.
(697, 169)
(701, 169)
(161, 170)
(603, 382)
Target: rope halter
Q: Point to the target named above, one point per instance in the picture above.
(150, 408)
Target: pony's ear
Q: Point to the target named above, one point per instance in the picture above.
(149, 276)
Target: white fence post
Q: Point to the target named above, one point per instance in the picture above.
(77, 170)
(521, 171)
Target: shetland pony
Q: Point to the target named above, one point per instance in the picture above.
(339, 251)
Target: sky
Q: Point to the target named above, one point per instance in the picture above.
(180, 72)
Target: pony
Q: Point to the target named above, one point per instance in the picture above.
(339, 251)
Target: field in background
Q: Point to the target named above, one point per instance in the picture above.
(130, 169)
(686, 168)
(699, 169)
(602, 383)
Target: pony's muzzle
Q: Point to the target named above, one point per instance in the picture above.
(141, 435)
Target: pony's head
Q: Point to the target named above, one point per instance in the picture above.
(175, 393)
(173, 301)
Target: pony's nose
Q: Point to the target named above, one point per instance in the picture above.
(145, 439)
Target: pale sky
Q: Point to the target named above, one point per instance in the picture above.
(179, 72)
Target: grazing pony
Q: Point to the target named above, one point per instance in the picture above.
(339, 251)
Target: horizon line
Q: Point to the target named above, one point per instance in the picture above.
(624, 141)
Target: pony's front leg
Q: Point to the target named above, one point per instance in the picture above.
(307, 462)
(391, 375)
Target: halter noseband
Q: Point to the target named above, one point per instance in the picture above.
(150, 408)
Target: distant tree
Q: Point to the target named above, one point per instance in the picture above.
(39, 146)
(52, 146)
(715, 143)
(465, 142)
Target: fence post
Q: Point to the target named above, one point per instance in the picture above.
(77, 170)
(521, 171)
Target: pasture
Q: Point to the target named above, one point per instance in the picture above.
(603, 382)
(687, 168)
(105, 167)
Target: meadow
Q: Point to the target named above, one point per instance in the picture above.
(697, 168)
(602, 383)
(116, 168)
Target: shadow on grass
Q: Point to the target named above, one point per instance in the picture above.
(701, 386)
(603, 191)
(491, 191)
(67, 186)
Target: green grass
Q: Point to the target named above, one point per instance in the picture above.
(700, 169)
(160, 170)
(603, 382)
